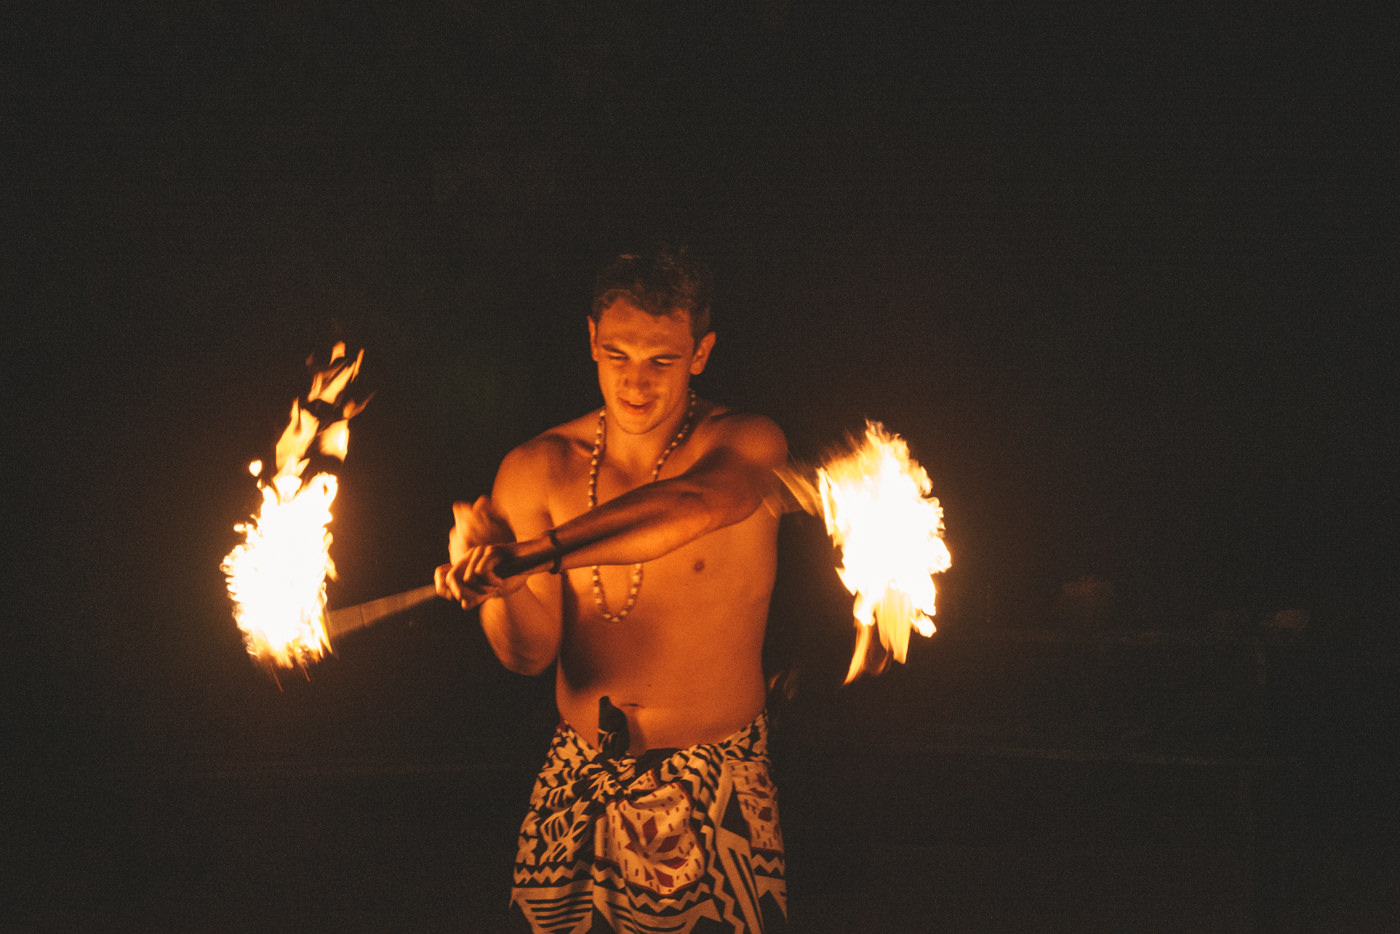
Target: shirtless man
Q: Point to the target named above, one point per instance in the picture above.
(650, 514)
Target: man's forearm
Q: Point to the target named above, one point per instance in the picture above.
(522, 632)
(641, 526)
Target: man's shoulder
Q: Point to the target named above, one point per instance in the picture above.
(735, 420)
(756, 435)
(551, 451)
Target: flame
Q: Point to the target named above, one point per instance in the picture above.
(277, 575)
(878, 509)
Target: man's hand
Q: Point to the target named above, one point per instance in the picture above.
(477, 523)
(473, 580)
(479, 541)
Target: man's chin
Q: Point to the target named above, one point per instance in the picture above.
(635, 418)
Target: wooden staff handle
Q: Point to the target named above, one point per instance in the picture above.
(350, 618)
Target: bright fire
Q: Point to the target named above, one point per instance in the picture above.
(277, 576)
(878, 509)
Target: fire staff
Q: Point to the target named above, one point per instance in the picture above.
(654, 560)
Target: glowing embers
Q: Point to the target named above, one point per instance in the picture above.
(277, 576)
(878, 509)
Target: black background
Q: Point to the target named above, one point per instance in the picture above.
(1124, 279)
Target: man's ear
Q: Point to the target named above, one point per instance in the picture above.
(702, 354)
(592, 338)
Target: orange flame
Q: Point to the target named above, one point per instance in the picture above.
(878, 509)
(277, 576)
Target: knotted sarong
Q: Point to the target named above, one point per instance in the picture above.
(684, 841)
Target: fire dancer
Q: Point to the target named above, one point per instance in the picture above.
(654, 559)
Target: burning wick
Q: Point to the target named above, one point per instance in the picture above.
(277, 576)
(876, 502)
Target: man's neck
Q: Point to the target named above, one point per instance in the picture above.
(638, 454)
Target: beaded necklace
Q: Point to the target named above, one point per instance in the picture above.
(598, 447)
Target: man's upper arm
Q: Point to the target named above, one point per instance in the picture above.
(524, 627)
(521, 490)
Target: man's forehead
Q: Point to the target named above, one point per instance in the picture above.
(623, 321)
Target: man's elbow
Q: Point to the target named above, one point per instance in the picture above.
(526, 665)
(520, 657)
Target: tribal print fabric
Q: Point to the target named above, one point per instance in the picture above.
(681, 841)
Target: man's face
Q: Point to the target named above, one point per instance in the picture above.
(645, 364)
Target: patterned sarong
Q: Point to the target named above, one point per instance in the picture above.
(678, 841)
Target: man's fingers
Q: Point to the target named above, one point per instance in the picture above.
(469, 580)
(442, 580)
(479, 573)
(448, 579)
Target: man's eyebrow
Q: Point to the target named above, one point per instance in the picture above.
(610, 347)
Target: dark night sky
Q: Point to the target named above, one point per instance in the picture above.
(1125, 280)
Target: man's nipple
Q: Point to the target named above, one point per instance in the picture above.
(699, 565)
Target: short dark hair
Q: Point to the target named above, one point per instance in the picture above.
(659, 282)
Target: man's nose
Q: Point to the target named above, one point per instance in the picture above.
(635, 377)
